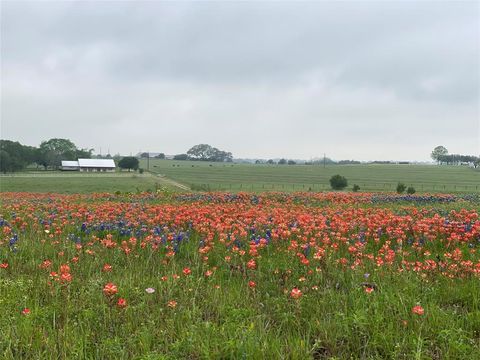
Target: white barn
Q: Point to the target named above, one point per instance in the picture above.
(70, 165)
(96, 165)
(90, 165)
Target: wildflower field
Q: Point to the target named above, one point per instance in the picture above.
(239, 276)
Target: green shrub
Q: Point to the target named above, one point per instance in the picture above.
(338, 182)
(401, 188)
(411, 190)
(355, 188)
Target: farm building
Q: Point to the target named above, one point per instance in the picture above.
(96, 164)
(90, 165)
(70, 165)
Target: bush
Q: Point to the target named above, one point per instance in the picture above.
(411, 190)
(355, 188)
(401, 188)
(128, 162)
(140, 171)
(338, 182)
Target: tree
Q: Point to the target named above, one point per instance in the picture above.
(15, 156)
(205, 152)
(200, 152)
(355, 188)
(338, 182)
(180, 157)
(160, 156)
(271, 162)
(86, 154)
(291, 162)
(438, 152)
(55, 150)
(128, 162)
(6, 162)
(410, 190)
(282, 162)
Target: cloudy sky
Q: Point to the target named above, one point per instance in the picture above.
(358, 80)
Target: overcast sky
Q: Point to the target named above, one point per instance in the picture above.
(355, 80)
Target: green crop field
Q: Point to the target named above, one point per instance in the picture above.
(235, 177)
(76, 182)
(249, 177)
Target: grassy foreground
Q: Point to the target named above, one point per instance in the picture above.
(239, 276)
(248, 177)
(76, 182)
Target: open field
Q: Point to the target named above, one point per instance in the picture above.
(182, 175)
(239, 276)
(75, 182)
(245, 177)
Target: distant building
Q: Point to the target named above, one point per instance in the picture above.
(89, 165)
(70, 165)
(96, 164)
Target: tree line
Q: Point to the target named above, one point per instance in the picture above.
(441, 156)
(15, 156)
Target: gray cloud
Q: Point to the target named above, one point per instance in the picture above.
(354, 79)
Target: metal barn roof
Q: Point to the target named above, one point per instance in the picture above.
(96, 163)
(69, 163)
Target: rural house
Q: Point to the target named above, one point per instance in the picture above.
(96, 164)
(90, 165)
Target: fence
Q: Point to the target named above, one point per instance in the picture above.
(288, 187)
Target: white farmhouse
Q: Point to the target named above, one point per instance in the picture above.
(96, 165)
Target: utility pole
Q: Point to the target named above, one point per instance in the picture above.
(324, 160)
(148, 160)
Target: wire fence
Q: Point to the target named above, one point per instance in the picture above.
(288, 187)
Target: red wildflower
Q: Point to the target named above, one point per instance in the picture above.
(3, 265)
(66, 277)
(172, 304)
(64, 269)
(186, 271)
(26, 311)
(418, 310)
(110, 289)
(107, 268)
(122, 303)
(45, 264)
(252, 284)
(296, 293)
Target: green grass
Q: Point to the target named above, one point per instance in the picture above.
(221, 317)
(235, 177)
(246, 177)
(57, 182)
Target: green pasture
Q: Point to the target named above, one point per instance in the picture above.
(260, 177)
(248, 177)
(76, 182)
